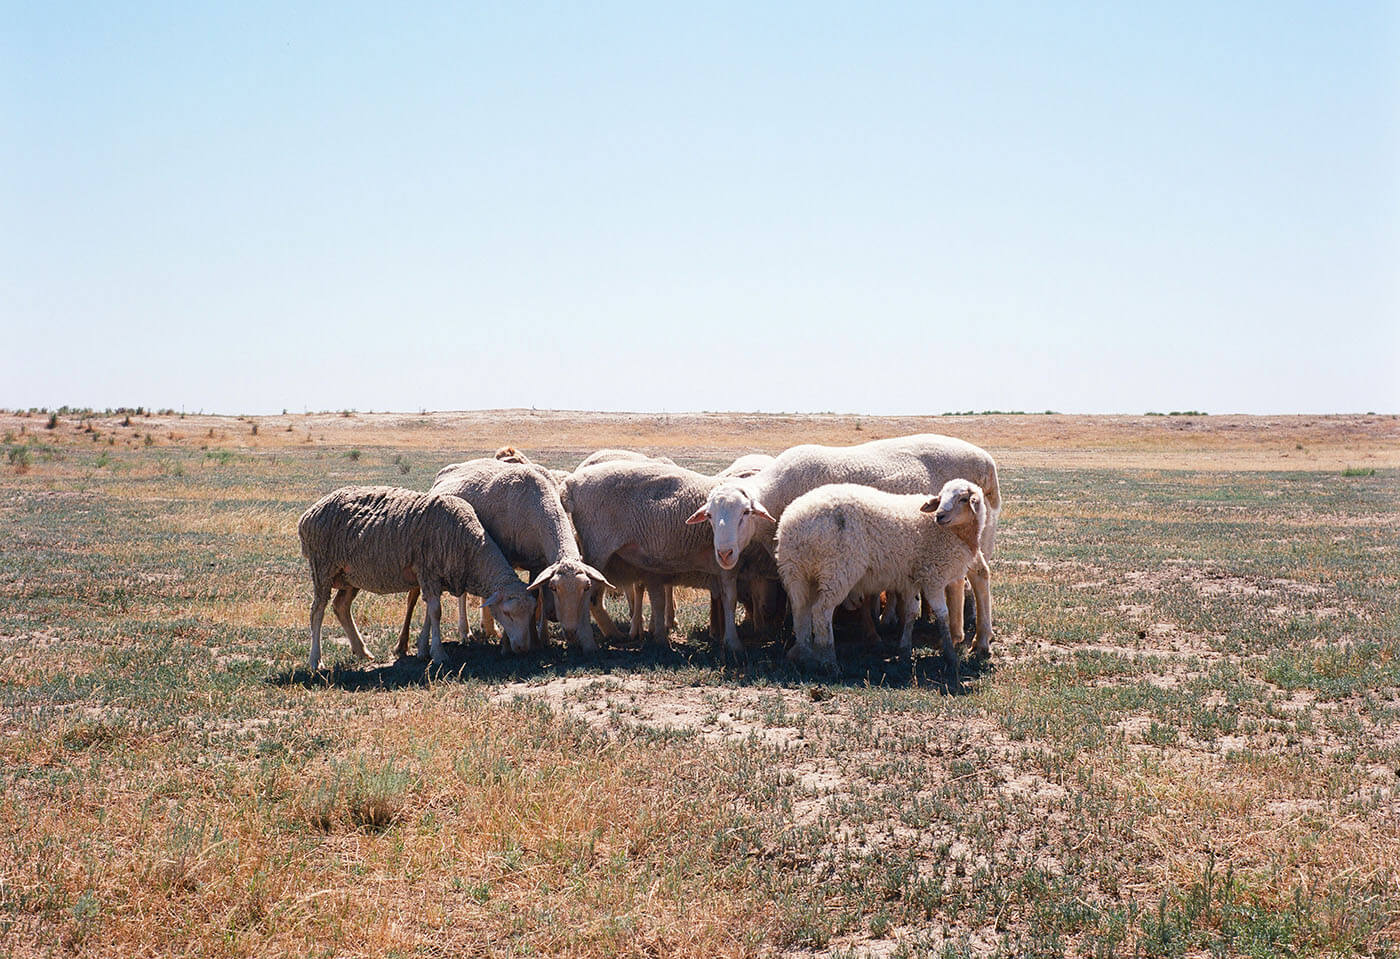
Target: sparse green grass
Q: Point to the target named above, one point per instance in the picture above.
(1183, 745)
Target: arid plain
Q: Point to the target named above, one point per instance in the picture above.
(1186, 741)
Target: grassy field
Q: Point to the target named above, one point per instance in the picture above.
(1186, 742)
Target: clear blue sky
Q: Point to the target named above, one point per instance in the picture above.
(1112, 207)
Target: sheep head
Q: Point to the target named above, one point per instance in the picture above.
(962, 506)
(513, 609)
(734, 514)
(571, 583)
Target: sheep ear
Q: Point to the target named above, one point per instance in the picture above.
(494, 598)
(973, 500)
(544, 575)
(598, 577)
(759, 510)
(930, 506)
(699, 516)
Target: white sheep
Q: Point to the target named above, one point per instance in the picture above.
(619, 456)
(741, 511)
(390, 540)
(630, 520)
(636, 590)
(518, 504)
(848, 540)
(745, 466)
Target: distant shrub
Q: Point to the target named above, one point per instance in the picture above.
(1359, 471)
(401, 463)
(53, 421)
(353, 454)
(19, 458)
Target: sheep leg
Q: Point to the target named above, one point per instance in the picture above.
(716, 615)
(488, 622)
(729, 593)
(432, 601)
(823, 647)
(801, 603)
(908, 614)
(402, 648)
(464, 631)
(760, 597)
(320, 596)
(670, 607)
(341, 606)
(660, 634)
(950, 652)
(981, 577)
(601, 617)
(953, 599)
(893, 600)
(537, 622)
(638, 597)
(868, 632)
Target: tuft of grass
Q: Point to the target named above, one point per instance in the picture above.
(1359, 471)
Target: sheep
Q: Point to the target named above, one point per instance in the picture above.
(745, 466)
(629, 516)
(920, 463)
(509, 454)
(519, 506)
(390, 540)
(850, 540)
(615, 456)
(635, 591)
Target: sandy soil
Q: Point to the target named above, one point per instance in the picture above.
(1303, 442)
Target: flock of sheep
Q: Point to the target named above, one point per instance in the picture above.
(907, 518)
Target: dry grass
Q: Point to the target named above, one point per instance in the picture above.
(1186, 743)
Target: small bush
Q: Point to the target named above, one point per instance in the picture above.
(19, 458)
(357, 797)
(1359, 471)
(53, 421)
(353, 454)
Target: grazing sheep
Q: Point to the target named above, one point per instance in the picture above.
(635, 592)
(630, 520)
(745, 466)
(740, 511)
(851, 540)
(616, 456)
(390, 540)
(519, 506)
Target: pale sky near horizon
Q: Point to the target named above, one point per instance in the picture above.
(893, 208)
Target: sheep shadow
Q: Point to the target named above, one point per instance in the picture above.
(861, 664)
